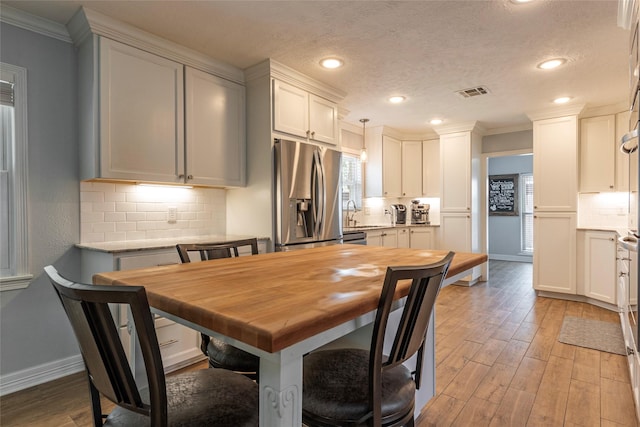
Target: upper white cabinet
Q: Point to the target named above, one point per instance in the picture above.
(383, 176)
(456, 170)
(141, 128)
(431, 168)
(555, 164)
(626, 164)
(597, 153)
(301, 113)
(147, 117)
(215, 131)
(411, 168)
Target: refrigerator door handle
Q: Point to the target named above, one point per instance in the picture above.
(323, 195)
(318, 190)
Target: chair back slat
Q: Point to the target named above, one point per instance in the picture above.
(208, 251)
(87, 307)
(426, 282)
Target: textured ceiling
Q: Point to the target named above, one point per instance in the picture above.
(424, 50)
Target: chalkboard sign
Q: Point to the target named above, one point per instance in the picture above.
(503, 195)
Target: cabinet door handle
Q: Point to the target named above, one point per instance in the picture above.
(308, 132)
(189, 177)
(313, 134)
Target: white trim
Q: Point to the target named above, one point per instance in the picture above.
(516, 258)
(20, 151)
(27, 21)
(15, 283)
(40, 374)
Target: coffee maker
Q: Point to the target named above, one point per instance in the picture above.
(400, 212)
(419, 212)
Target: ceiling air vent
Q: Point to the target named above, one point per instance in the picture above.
(474, 91)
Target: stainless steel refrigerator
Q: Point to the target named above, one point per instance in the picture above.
(308, 197)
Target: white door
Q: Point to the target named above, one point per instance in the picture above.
(290, 109)
(411, 168)
(600, 266)
(141, 115)
(455, 155)
(391, 167)
(555, 164)
(554, 257)
(215, 130)
(323, 120)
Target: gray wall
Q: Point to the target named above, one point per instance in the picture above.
(33, 328)
(504, 231)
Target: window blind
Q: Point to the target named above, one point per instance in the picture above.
(6, 93)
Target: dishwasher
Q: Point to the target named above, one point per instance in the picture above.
(354, 237)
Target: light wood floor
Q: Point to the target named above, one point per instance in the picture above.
(498, 363)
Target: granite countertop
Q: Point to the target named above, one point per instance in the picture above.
(140, 245)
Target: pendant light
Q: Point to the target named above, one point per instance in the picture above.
(363, 152)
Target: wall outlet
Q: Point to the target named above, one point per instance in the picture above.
(172, 215)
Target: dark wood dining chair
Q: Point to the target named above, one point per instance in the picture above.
(202, 397)
(356, 387)
(221, 354)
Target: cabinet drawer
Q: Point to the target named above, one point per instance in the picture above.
(174, 339)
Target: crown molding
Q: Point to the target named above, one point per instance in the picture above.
(605, 110)
(289, 75)
(27, 21)
(87, 21)
(551, 113)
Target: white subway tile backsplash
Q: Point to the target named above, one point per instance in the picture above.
(118, 212)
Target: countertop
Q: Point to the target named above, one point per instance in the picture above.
(368, 227)
(141, 245)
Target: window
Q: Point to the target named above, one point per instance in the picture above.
(526, 183)
(351, 180)
(14, 259)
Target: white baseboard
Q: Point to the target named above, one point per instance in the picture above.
(26, 378)
(516, 258)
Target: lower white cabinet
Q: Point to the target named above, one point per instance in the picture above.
(179, 345)
(383, 237)
(600, 265)
(421, 238)
(404, 238)
(554, 259)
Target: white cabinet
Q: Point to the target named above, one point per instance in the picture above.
(600, 265)
(597, 153)
(141, 128)
(456, 231)
(387, 237)
(421, 238)
(411, 168)
(404, 238)
(431, 168)
(300, 113)
(383, 176)
(554, 257)
(179, 345)
(215, 130)
(132, 119)
(459, 154)
(555, 164)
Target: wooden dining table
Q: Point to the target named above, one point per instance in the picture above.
(283, 305)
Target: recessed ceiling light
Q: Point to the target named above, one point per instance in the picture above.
(331, 63)
(562, 100)
(436, 121)
(551, 63)
(396, 99)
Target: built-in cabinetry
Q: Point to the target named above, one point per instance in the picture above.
(431, 168)
(402, 237)
(600, 252)
(179, 345)
(603, 167)
(412, 168)
(555, 143)
(146, 116)
(459, 202)
(301, 113)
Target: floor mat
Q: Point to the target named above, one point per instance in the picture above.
(595, 334)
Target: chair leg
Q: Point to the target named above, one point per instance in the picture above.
(96, 407)
(410, 423)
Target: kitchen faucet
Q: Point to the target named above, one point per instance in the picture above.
(350, 218)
